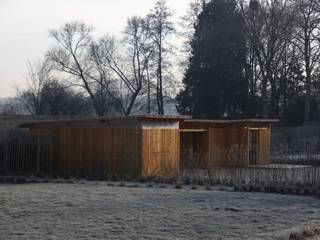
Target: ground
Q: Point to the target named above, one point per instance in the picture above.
(94, 210)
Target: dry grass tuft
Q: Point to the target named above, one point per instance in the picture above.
(178, 185)
(308, 232)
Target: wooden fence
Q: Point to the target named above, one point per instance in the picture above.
(20, 151)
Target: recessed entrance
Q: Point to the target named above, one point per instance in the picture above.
(193, 149)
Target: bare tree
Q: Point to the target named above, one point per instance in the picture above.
(270, 26)
(161, 28)
(44, 95)
(11, 107)
(71, 57)
(124, 76)
(253, 72)
(307, 41)
(38, 74)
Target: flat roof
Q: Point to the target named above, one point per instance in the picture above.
(231, 121)
(137, 118)
(101, 120)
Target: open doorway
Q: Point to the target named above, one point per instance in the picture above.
(193, 149)
(254, 149)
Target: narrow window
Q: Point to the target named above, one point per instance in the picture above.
(253, 147)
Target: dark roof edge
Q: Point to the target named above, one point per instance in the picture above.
(186, 119)
(231, 121)
(101, 120)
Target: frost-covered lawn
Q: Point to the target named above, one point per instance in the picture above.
(98, 211)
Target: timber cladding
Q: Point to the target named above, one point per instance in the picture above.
(151, 145)
(228, 147)
(95, 151)
(229, 143)
(160, 149)
(125, 148)
(264, 146)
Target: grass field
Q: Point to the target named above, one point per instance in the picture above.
(94, 210)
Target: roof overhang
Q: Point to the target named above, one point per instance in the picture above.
(186, 122)
(100, 121)
(207, 123)
(231, 121)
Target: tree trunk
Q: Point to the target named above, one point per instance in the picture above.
(307, 107)
(148, 90)
(308, 78)
(274, 99)
(264, 99)
(160, 82)
(132, 101)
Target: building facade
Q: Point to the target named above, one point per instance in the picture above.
(151, 145)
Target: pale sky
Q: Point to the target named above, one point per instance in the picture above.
(24, 26)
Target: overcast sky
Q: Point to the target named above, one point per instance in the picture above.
(24, 26)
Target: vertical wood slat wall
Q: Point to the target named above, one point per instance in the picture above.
(22, 152)
(160, 152)
(96, 151)
(104, 151)
(228, 147)
(147, 152)
(153, 151)
(264, 146)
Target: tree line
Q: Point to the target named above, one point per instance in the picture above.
(81, 75)
(240, 59)
(256, 59)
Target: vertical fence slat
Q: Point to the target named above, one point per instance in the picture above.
(21, 152)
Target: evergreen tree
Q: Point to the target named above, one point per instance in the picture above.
(215, 83)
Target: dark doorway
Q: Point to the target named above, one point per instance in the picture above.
(253, 147)
(193, 150)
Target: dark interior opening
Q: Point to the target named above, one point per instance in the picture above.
(193, 150)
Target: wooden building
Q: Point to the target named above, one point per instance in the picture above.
(216, 143)
(151, 145)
